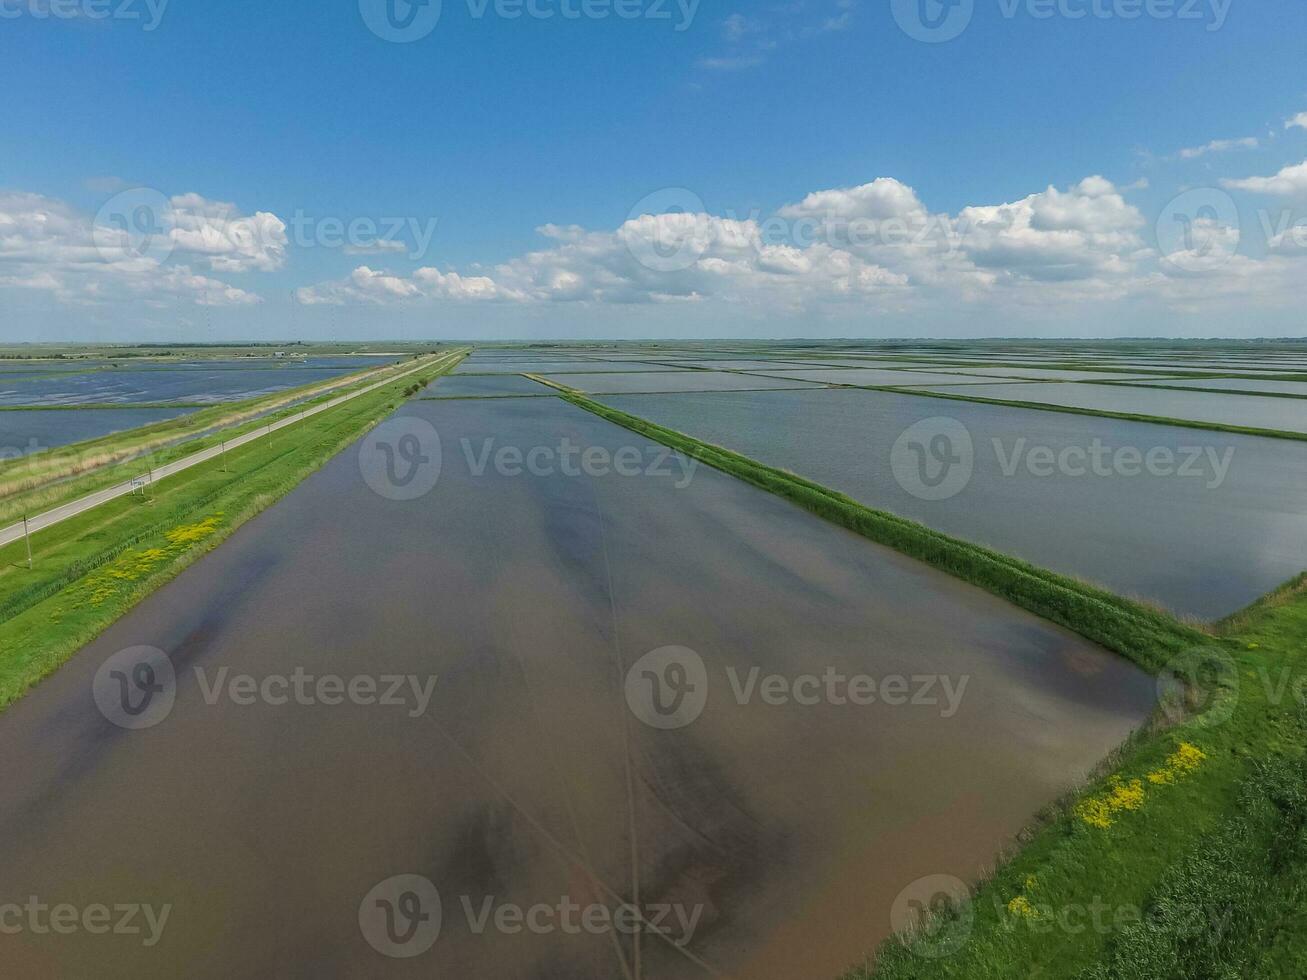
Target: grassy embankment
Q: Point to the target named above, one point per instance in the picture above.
(41, 481)
(91, 569)
(1195, 827)
(1187, 861)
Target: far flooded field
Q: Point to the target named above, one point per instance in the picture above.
(199, 384)
(1253, 411)
(1203, 540)
(133, 392)
(23, 432)
(487, 386)
(669, 380)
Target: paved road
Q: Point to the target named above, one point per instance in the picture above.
(80, 506)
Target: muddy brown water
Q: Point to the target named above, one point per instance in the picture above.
(785, 831)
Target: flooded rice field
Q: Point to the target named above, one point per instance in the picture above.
(1049, 374)
(769, 364)
(673, 381)
(196, 383)
(28, 432)
(1253, 411)
(871, 376)
(613, 656)
(552, 366)
(1211, 523)
(485, 386)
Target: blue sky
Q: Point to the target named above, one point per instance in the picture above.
(240, 117)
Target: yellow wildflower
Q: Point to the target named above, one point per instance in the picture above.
(1179, 764)
(1021, 906)
(191, 533)
(1100, 811)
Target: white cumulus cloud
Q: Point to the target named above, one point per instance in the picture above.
(1291, 181)
(47, 245)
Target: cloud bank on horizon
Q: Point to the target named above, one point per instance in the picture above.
(837, 259)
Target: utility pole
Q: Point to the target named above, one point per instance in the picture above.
(27, 536)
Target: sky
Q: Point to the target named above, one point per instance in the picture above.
(566, 169)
